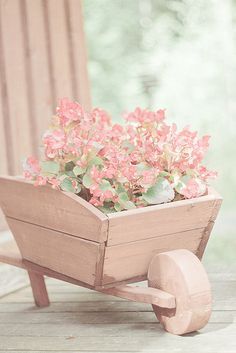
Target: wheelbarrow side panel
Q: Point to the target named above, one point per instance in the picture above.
(54, 229)
(60, 252)
(61, 211)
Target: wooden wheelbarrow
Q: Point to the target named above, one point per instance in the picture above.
(60, 235)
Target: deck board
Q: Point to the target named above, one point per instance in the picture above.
(86, 321)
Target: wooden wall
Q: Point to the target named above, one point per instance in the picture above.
(42, 58)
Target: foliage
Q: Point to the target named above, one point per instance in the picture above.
(115, 167)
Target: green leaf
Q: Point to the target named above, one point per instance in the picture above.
(129, 205)
(50, 167)
(106, 209)
(78, 189)
(70, 174)
(66, 185)
(69, 166)
(125, 202)
(164, 173)
(142, 166)
(87, 181)
(78, 170)
(105, 185)
(120, 188)
(182, 183)
(118, 207)
(123, 197)
(161, 192)
(127, 144)
(95, 161)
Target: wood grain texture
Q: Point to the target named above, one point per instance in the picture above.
(126, 261)
(43, 58)
(159, 220)
(15, 72)
(42, 104)
(39, 289)
(181, 273)
(60, 50)
(209, 227)
(144, 295)
(52, 209)
(57, 251)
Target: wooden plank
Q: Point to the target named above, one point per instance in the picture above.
(4, 123)
(144, 295)
(60, 252)
(95, 328)
(124, 261)
(223, 299)
(39, 317)
(62, 73)
(14, 51)
(72, 307)
(65, 212)
(159, 220)
(56, 275)
(42, 104)
(207, 342)
(39, 289)
(208, 229)
(107, 308)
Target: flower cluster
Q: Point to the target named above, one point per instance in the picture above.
(117, 167)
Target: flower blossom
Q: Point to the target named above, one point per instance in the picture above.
(118, 167)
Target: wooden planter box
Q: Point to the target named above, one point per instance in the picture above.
(62, 232)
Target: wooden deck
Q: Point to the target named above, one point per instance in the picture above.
(80, 320)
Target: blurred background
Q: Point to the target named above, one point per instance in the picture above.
(175, 54)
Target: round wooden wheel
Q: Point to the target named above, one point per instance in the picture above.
(180, 272)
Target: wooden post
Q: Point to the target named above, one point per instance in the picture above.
(39, 289)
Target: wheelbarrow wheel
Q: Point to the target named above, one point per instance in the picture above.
(180, 272)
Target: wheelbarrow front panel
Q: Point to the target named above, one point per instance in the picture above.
(154, 221)
(135, 236)
(131, 260)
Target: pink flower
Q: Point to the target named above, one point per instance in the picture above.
(40, 181)
(206, 174)
(96, 174)
(69, 111)
(193, 188)
(27, 175)
(55, 139)
(101, 117)
(160, 115)
(31, 167)
(95, 202)
(55, 183)
(128, 159)
(117, 132)
(143, 116)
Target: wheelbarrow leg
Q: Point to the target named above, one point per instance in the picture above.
(38, 288)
